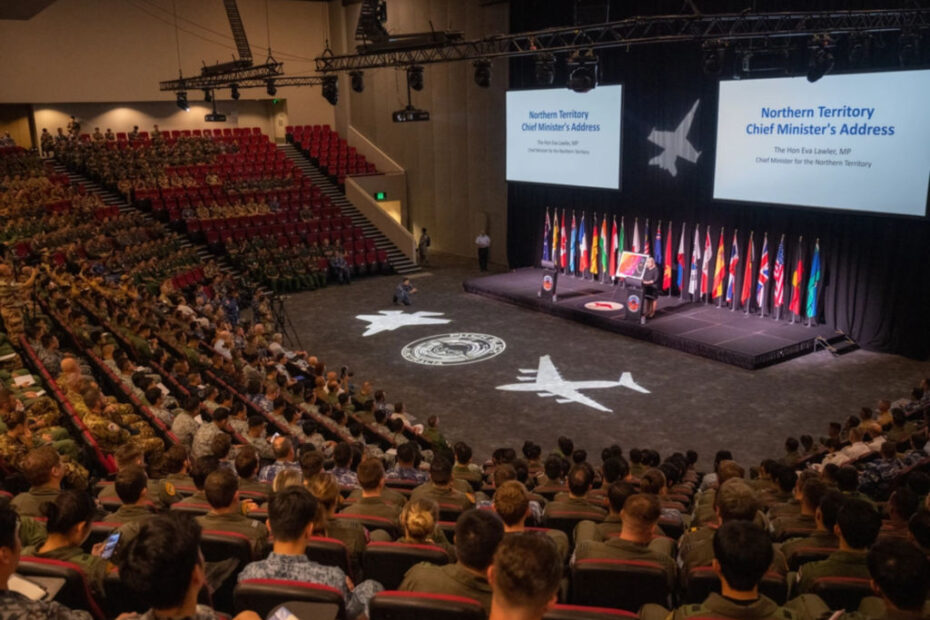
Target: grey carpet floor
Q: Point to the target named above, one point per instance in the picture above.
(694, 403)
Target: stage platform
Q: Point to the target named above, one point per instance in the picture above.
(732, 337)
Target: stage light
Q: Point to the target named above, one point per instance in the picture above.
(182, 101)
(908, 49)
(357, 80)
(415, 77)
(582, 71)
(234, 91)
(545, 69)
(713, 57)
(207, 95)
(483, 73)
(331, 89)
(821, 63)
(858, 49)
(270, 88)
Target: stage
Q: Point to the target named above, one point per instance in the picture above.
(732, 337)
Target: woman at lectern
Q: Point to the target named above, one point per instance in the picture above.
(650, 290)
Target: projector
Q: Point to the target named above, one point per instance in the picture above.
(215, 118)
(409, 115)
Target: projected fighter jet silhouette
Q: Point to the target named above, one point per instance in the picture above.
(675, 144)
(549, 383)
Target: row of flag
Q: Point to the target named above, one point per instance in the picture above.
(567, 245)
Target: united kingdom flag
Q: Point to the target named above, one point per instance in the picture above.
(763, 272)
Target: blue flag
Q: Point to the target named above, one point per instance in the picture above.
(813, 283)
(657, 252)
(547, 232)
(571, 251)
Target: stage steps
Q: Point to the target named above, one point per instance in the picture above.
(837, 345)
(400, 263)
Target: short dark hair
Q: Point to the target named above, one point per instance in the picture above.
(370, 472)
(847, 478)
(440, 471)
(901, 572)
(553, 466)
(744, 552)
(407, 452)
(342, 454)
(129, 483)
(786, 478)
(919, 527)
(830, 505)
(859, 523)
(220, 488)
(9, 519)
(220, 445)
(618, 493)
(175, 457)
(580, 478)
(290, 511)
(67, 510)
(462, 452)
(256, 420)
(203, 467)
(904, 501)
(791, 444)
(813, 491)
(477, 534)
(527, 570)
(38, 464)
(246, 462)
(615, 468)
(157, 564)
(219, 414)
(566, 445)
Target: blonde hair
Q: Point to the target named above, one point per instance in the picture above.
(326, 491)
(286, 478)
(419, 518)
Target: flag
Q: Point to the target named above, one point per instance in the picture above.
(571, 251)
(657, 249)
(594, 248)
(613, 248)
(734, 263)
(763, 273)
(778, 275)
(546, 232)
(555, 238)
(747, 274)
(667, 263)
(602, 248)
(797, 277)
(620, 244)
(813, 282)
(647, 241)
(705, 266)
(563, 255)
(718, 269)
(636, 247)
(582, 247)
(695, 257)
(681, 259)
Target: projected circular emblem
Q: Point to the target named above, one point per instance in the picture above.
(603, 306)
(547, 283)
(632, 302)
(453, 349)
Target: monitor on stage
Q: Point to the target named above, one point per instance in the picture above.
(854, 142)
(561, 137)
(632, 265)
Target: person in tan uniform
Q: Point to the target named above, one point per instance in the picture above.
(222, 491)
(512, 504)
(524, 577)
(372, 503)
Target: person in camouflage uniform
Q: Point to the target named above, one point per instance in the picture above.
(13, 298)
(16, 443)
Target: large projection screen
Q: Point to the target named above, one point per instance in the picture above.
(562, 137)
(857, 142)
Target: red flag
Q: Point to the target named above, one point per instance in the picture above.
(796, 279)
(747, 273)
(563, 253)
(708, 255)
(667, 263)
(719, 269)
(613, 248)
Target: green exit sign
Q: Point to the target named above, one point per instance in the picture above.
(380, 196)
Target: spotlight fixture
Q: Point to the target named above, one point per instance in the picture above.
(415, 77)
(858, 49)
(582, 71)
(483, 73)
(207, 95)
(713, 57)
(182, 100)
(270, 88)
(821, 63)
(908, 49)
(234, 91)
(331, 89)
(357, 80)
(545, 69)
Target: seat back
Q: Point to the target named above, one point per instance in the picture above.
(583, 612)
(75, 592)
(263, 595)
(329, 552)
(218, 546)
(624, 584)
(842, 592)
(566, 520)
(371, 522)
(388, 562)
(394, 605)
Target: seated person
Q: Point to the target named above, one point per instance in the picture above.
(900, 575)
(419, 522)
(580, 479)
(811, 494)
(405, 468)
(742, 554)
(164, 567)
(477, 535)
(246, 465)
(136, 509)
(44, 472)
(325, 490)
(512, 504)
(464, 469)
(440, 488)
(824, 520)
(222, 491)
(617, 494)
(177, 467)
(13, 604)
(857, 526)
(200, 469)
(160, 493)
(637, 540)
(524, 577)
(342, 457)
(291, 514)
(68, 521)
(374, 500)
(284, 456)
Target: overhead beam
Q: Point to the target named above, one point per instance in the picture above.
(218, 80)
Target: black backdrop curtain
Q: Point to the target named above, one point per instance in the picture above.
(876, 269)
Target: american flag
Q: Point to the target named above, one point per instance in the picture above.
(778, 275)
(734, 263)
(763, 272)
